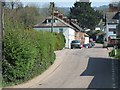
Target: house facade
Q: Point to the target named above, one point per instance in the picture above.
(117, 17)
(59, 27)
(110, 33)
(62, 24)
(110, 28)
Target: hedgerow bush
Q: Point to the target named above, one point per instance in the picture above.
(59, 41)
(112, 53)
(118, 54)
(27, 53)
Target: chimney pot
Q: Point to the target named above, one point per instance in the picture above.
(65, 19)
(74, 20)
(56, 13)
(60, 16)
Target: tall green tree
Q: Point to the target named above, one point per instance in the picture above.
(87, 17)
(27, 16)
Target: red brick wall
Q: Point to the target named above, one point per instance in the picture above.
(79, 36)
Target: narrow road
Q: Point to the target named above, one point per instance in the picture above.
(82, 68)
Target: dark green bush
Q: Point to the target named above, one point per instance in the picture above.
(27, 53)
(19, 56)
(59, 41)
(112, 53)
(118, 54)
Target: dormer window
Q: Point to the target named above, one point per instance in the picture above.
(49, 20)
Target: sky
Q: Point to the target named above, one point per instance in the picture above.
(66, 3)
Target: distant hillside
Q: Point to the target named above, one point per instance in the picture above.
(102, 8)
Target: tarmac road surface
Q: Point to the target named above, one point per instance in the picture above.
(82, 68)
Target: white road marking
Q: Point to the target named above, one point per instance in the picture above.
(113, 75)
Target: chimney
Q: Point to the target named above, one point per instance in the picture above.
(68, 20)
(113, 7)
(74, 20)
(60, 16)
(56, 13)
(65, 19)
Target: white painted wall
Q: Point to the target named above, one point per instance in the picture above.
(86, 40)
(107, 30)
(71, 36)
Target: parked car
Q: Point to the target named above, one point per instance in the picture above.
(86, 45)
(89, 45)
(92, 43)
(75, 44)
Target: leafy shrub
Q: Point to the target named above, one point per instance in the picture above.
(118, 54)
(59, 41)
(27, 53)
(112, 53)
(19, 56)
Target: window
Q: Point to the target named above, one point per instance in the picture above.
(112, 29)
(61, 30)
(114, 32)
(49, 20)
(45, 21)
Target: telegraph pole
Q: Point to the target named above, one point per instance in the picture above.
(52, 6)
(1, 28)
(1, 38)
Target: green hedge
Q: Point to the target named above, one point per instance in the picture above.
(60, 41)
(112, 53)
(118, 54)
(27, 53)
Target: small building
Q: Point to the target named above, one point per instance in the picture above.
(59, 27)
(61, 24)
(110, 28)
(117, 17)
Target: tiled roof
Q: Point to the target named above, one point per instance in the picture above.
(61, 23)
(109, 17)
(77, 26)
(116, 16)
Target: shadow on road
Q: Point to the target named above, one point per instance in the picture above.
(101, 69)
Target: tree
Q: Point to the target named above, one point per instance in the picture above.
(87, 17)
(27, 16)
(13, 4)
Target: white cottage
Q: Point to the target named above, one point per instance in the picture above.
(60, 26)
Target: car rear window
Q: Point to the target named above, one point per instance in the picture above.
(76, 41)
